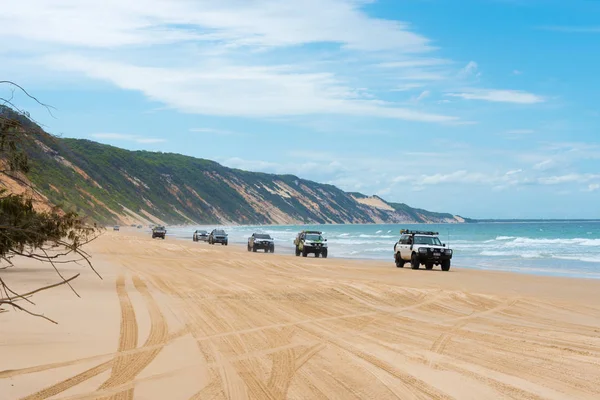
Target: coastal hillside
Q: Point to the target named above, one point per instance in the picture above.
(113, 185)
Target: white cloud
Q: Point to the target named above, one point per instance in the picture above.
(212, 131)
(502, 96)
(424, 94)
(471, 69)
(249, 23)
(517, 72)
(544, 165)
(455, 177)
(568, 178)
(514, 172)
(124, 137)
(407, 86)
(413, 63)
(593, 187)
(242, 91)
(520, 131)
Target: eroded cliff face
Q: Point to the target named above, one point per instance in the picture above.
(112, 185)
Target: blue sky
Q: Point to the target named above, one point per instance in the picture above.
(484, 108)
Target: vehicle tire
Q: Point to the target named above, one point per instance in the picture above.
(297, 251)
(273, 249)
(399, 261)
(248, 247)
(317, 254)
(226, 243)
(254, 249)
(304, 253)
(324, 254)
(414, 261)
(446, 265)
(429, 266)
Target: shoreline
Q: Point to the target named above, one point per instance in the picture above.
(557, 273)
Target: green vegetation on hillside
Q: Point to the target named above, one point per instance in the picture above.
(110, 184)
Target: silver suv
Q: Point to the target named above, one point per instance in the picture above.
(421, 247)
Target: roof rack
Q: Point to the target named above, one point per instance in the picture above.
(317, 232)
(409, 232)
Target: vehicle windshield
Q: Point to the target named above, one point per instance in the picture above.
(429, 240)
(262, 236)
(202, 232)
(314, 237)
(219, 232)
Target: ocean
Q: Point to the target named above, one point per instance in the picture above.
(569, 248)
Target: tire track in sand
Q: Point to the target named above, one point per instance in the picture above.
(138, 358)
(136, 363)
(442, 341)
(127, 341)
(412, 383)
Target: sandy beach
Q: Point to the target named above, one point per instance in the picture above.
(173, 319)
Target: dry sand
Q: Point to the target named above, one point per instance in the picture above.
(183, 320)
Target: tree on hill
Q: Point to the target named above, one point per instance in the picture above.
(50, 236)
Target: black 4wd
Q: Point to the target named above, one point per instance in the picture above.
(420, 247)
(159, 232)
(261, 241)
(307, 242)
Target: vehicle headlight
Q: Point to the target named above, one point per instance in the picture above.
(448, 251)
(422, 250)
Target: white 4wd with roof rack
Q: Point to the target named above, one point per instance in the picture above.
(421, 247)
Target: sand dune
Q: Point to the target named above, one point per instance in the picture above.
(183, 320)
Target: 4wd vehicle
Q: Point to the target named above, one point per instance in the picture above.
(420, 247)
(218, 236)
(116, 228)
(261, 241)
(307, 242)
(200, 236)
(159, 232)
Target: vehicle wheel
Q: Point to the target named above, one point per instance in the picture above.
(414, 261)
(324, 254)
(304, 253)
(248, 247)
(399, 261)
(317, 255)
(272, 249)
(297, 251)
(226, 243)
(446, 265)
(429, 266)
